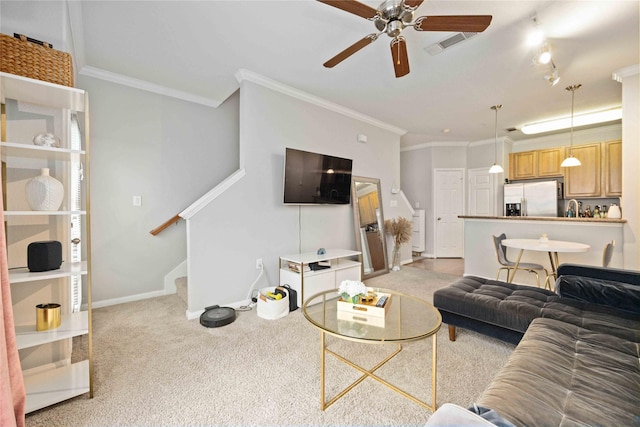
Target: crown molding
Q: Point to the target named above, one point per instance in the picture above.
(147, 86)
(620, 74)
(246, 75)
(449, 144)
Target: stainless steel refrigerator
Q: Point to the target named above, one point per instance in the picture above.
(542, 198)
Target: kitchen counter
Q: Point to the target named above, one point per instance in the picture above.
(547, 218)
(480, 255)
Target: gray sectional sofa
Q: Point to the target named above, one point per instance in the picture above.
(577, 359)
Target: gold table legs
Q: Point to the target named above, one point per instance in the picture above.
(369, 373)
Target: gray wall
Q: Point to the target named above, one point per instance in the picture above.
(249, 220)
(168, 151)
(417, 169)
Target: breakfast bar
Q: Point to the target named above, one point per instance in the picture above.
(480, 255)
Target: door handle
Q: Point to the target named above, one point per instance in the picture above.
(439, 218)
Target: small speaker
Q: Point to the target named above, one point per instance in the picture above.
(44, 256)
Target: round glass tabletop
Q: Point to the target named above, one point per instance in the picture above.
(404, 318)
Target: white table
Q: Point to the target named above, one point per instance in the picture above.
(552, 247)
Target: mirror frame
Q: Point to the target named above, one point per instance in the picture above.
(356, 222)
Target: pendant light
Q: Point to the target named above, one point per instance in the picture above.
(496, 168)
(571, 161)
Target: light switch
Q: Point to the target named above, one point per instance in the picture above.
(137, 200)
(393, 203)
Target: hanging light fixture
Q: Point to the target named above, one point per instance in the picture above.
(571, 161)
(496, 168)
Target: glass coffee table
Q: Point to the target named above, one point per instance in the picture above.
(407, 319)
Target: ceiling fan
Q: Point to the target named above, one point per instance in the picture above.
(393, 16)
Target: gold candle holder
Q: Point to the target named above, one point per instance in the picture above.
(47, 316)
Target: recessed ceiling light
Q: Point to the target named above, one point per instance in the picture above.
(446, 130)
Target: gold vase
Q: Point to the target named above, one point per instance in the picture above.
(47, 316)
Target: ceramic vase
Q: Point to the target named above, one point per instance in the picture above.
(44, 192)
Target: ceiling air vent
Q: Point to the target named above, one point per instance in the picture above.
(436, 48)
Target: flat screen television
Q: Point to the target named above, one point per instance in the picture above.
(316, 179)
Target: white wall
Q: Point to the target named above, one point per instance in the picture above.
(249, 221)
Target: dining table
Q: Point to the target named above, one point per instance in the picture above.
(552, 247)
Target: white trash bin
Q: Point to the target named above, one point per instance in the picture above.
(272, 309)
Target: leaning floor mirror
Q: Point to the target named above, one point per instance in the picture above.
(369, 226)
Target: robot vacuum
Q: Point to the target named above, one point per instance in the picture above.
(216, 316)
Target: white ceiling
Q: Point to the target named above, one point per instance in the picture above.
(197, 47)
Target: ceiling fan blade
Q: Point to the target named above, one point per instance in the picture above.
(351, 50)
(413, 4)
(353, 6)
(399, 55)
(454, 23)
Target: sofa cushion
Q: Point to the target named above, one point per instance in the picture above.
(499, 303)
(563, 374)
(622, 296)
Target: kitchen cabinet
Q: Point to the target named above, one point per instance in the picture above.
(536, 164)
(600, 174)
(368, 206)
(549, 161)
(523, 165)
(612, 151)
(584, 180)
(30, 107)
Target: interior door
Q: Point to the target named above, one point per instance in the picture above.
(481, 193)
(449, 204)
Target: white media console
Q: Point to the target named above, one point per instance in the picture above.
(295, 271)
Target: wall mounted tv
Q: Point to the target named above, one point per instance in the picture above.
(316, 179)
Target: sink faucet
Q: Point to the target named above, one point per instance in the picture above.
(575, 202)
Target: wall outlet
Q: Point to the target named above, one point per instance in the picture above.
(259, 265)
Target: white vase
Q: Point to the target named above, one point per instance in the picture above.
(44, 192)
(614, 212)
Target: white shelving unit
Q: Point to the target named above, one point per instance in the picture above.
(418, 237)
(294, 271)
(28, 107)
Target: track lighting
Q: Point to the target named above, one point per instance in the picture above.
(544, 55)
(554, 77)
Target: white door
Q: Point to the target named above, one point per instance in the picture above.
(449, 203)
(481, 193)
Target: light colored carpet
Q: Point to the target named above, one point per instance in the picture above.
(155, 368)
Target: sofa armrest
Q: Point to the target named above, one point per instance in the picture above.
(618, 295)
(612, 274)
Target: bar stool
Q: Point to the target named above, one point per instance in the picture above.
(607, 253)
(507, 265)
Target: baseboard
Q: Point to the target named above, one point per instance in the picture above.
(122, 300)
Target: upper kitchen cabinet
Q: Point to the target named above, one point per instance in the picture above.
(523, 165)
(612, 168)
(536, 164)
(549, 161)
(584, 180)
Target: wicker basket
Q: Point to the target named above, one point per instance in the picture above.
(24, 58)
